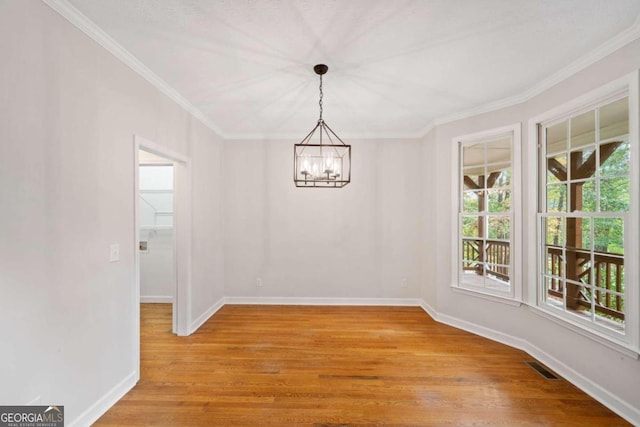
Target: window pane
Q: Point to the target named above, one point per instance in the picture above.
(582, 163)
(609, 235)
(504, 177)
(611, 300)
(609, 276)
(499, 150)
(585, 194)
(554, 227)
(471, 226)
(557, 138)
(607, 320)
(499, 200)
(614, 119)
(556, 198)
(557, 168)
(578, 300)
(498, 253)
(473, 178)
(609, 292)
(499, 227)
(499, 274)
(614, 195)
(585, 238)
(471, 249)
(554, 289)
(614, 158)
(471, 201)
(471, 267)
(554, 262)
(473, 155)
(583, 129)
(578, 233)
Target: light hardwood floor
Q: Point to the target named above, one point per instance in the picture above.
(338, 366)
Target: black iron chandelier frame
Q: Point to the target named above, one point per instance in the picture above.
(327, 163)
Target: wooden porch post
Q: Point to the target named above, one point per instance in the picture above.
(574, 234)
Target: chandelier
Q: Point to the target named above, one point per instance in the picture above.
(323, 162)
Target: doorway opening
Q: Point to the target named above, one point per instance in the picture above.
(162, 234)
(156, 231)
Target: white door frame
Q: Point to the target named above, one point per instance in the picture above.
(182, 239)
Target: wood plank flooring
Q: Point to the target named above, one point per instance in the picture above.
(338, 366)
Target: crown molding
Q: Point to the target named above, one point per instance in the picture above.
(607, 48)
(77, 18)
(87, 26)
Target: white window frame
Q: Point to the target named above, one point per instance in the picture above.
(515, 294)
(627, 343)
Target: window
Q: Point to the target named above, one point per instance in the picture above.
(486, 209)
(585, 205)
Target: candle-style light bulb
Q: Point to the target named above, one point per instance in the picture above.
(328, 163)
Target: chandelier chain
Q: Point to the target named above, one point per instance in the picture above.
(321, 94)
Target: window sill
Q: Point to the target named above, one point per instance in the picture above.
(502, 299)
(592, 334)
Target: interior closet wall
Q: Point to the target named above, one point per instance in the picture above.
(157, 253)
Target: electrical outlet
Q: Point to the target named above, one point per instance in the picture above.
(114, 252)
(259, 282)
(403, 283)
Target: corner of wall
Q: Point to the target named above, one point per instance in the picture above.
(200, 320)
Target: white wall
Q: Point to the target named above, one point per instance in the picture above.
(429, 214)
(68, 113)
(618, 375)
(356, 242)
(207, 214)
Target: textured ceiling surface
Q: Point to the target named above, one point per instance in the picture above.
(395, 67)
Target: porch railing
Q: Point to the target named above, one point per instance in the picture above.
(495, 257)
(608, 276)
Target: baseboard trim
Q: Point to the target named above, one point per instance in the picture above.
(103, 404)
(412, 302)
(429, 310)
(206, 315)
(608, 399)
(156, 299)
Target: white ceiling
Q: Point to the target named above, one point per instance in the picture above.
(395, 67)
